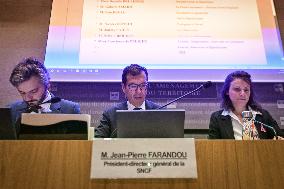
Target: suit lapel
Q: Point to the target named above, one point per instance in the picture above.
(122, 106)
(55, 107)
(262, 132)
(148, 105)
(227, 126)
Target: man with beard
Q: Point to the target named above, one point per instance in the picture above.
(31, 79)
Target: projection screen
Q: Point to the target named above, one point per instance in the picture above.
(176, 40)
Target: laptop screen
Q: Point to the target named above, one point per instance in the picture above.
(167, 123)
(7, 129)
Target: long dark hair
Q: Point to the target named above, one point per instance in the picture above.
(226, 101)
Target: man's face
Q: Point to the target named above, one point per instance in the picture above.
(33, 91)
(135, 89)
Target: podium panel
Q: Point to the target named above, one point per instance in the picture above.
(66, 164)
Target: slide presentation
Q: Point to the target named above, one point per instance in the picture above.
(176, 40)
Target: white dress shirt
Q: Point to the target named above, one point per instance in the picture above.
(237, 124)
(131, 107)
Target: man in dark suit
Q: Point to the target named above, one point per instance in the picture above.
(31, 79)
(134, 85)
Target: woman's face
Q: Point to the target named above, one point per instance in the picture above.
(239, 93)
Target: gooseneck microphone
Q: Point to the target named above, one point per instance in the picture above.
(204, 85)
(248, 115)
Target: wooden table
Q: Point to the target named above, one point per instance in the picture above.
(66, 164)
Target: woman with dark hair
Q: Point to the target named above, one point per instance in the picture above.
(238, 96)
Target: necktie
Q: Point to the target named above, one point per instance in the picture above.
(33, 109)
(137, 109)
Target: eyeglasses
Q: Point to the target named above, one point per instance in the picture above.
(134, 87)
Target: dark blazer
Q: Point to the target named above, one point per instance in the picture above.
(61, 107)
(107, 126)
(220, 127)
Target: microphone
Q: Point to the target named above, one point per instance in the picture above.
(52, 100)
(36, 107)
(248, 116)
(204, 85)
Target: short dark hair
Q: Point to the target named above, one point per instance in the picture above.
(28, 68)
(226, 101)
(133, 69)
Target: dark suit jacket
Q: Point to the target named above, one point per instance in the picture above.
(220, 127)
(61, 107)
(107, 126)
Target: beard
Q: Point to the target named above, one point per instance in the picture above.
(33, 102)
(37, 102)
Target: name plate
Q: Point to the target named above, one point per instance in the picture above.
(143, 158)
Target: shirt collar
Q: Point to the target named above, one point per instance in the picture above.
(48, 96)
(229, 112)
(131, 107)
(46, 107)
